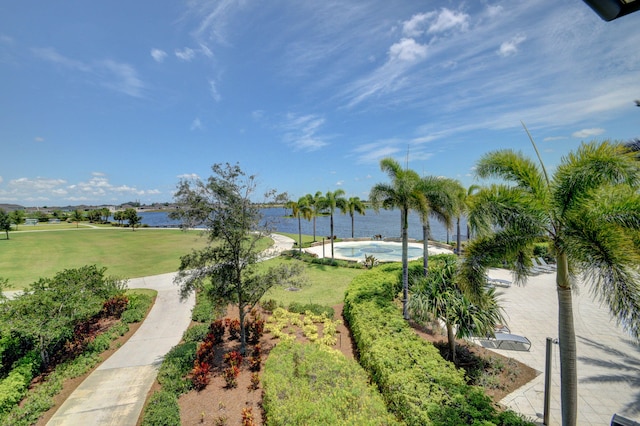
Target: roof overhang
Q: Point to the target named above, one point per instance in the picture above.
(613, 9)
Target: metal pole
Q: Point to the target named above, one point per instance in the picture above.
(547, 381)
(323, 247)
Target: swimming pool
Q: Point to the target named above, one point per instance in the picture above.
(382, 250)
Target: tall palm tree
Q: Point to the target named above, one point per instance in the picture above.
(355, 205)
(403, 193)
(330, 202)
(468, 203)
(300, 209)
(314, 201)
(441, 204)
(588, 211)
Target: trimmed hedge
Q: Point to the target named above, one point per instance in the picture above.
(313, 385)
(418, 385)
(162, 410)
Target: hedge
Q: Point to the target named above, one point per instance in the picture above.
(313, 385)
(418, 385)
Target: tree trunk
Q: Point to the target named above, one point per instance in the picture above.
(314, 227)
(567, 337)
(458, 243)
(352, 225)
(452, 343)
(425, 247)
(299, 234)
(331, 236)
(404, 213)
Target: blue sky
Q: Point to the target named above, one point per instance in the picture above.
(107, 102)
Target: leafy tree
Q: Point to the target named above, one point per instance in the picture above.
(233, 224)
(441, 203)
(48, 310)
(404, 193)
(132, 216)
(355, 205)
(104, 214)
(300, 209)
(437, 296)
(588, 211)
(93, 215)
(77, 217)
(119, 217)
(314, 201)
(331, 201)
(5, 222)
(17, 217)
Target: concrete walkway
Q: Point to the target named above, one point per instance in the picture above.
(115, 392)
(608, 360)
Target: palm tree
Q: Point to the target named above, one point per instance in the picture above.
(403, 193)
(300, 209)
(468, 203)
(441, 204)
(355, 205)
(589, 212)
(331, 201)
(77, 217)
(438, 297)
(314, 201)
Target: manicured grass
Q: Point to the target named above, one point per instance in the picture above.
(28, 256)
(326, 284)
(306, 239)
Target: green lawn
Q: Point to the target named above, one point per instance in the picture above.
(28, 256)
(326, 284)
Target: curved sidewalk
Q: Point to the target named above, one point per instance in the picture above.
(115, 392)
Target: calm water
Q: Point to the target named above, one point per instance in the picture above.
(384, 222)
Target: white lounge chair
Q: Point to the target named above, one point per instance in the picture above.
(544, 264)
(497, 282)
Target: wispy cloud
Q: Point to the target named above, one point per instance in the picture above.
(510, 47)
(188, 176)
(213, 89)
(302, 132)
(114, 75)
(186, 54)
(158, 55)
(196, 124)
(587, 133)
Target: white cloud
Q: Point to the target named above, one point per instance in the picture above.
(158, 55)
(407, 50)
(449, 19)
(187, 54)
(510, 47)
(416, 26)
(114, 75)
(1, 180)
(188, 176)
(587, 133)
(196, 124)
(302, 132)
(554, 138)
(213, 89)
(38, 139)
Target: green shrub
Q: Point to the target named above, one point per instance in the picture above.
(301, 308)
(162, 410)
(196, 333)
(308, 384)
(418, 385)
(177, 363)
(137, 309)
(100, 344)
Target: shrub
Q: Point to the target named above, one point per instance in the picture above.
(233, 358)
(234, 328)
(15, 385)
(137, 309)
(256, 329)
(162, 410)
(247, 417)
(200, 375)
(115, 306)
(418, 385)
(196, 333)
(310, 384)
(315, 308)
(177, 364)
(230, 376)
(217, 330)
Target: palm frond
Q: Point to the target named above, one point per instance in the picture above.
(513, 167)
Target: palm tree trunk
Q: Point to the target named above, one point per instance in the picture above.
(567, 337)
(314, 227)
(299, 234)
(425, 247)
(452, 343)
(458, 244)
(352, 225)
(404, 213)
(331, 236)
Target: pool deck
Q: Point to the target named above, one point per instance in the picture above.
(325, 251)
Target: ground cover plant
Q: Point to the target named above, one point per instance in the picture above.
(418, 385)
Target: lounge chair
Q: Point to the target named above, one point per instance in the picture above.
(544, 264)
(511, 340)
(538, 269)
(497, 282)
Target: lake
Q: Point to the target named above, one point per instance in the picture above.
(384, 222)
